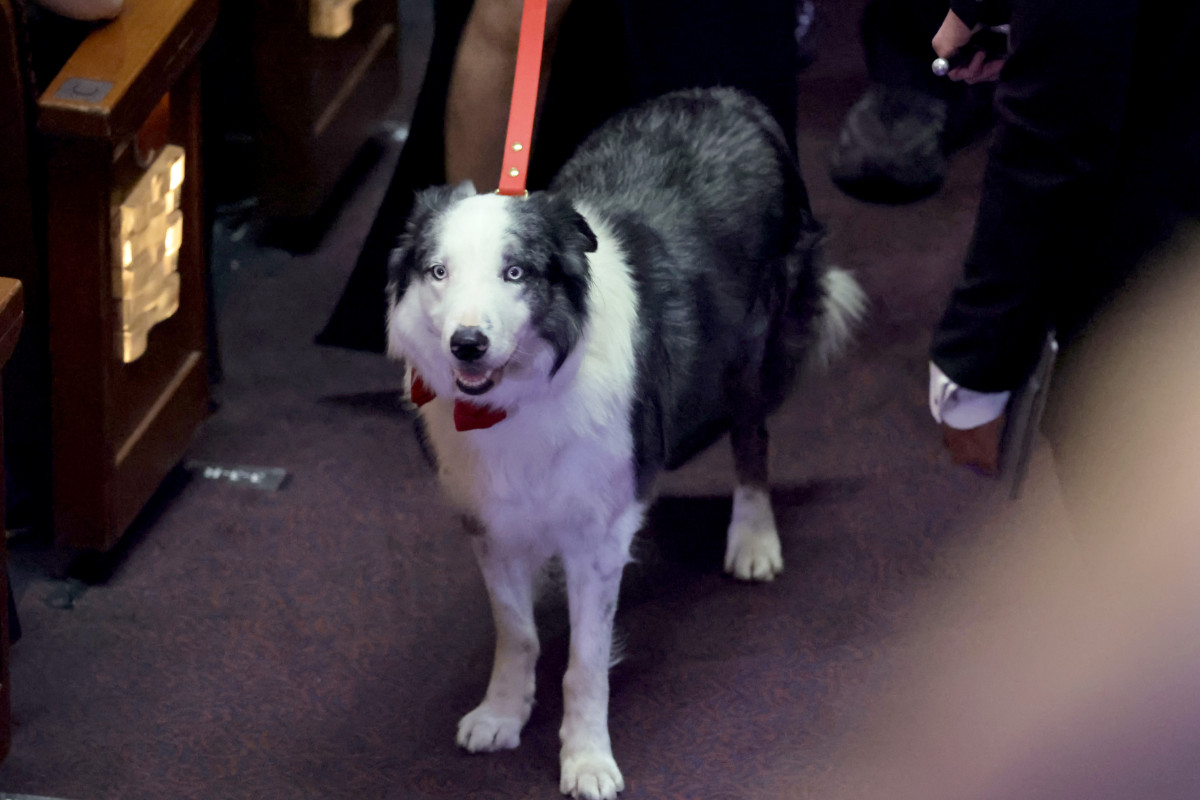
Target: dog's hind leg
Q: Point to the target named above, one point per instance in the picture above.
(593, 573)
(509, 574)
(752, 550)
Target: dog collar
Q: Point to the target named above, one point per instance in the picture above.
(468, 416)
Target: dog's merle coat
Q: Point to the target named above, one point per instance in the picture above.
(727, 278)
(665, 290)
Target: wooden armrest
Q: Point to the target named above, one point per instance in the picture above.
(12, 315)
(115, 78)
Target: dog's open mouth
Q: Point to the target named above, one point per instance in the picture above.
(477, 381)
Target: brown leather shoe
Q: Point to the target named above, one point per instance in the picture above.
(976, 448)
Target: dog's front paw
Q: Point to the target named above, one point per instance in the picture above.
(591, 776)
(752, 551)
(485, 729)
(753, 555)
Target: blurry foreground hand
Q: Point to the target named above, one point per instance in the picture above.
(84, 9)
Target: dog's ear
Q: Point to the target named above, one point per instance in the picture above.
(569, 227)
(437, 199)
(571, 239)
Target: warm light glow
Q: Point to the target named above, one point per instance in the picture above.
(177, 173)
(330, 19)
(146, 282)
(174, 232)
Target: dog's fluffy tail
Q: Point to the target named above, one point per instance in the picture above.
(842, 307)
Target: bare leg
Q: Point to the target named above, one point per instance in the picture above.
(481, 88)
(497, 722)
(593, 582)
(752, 550)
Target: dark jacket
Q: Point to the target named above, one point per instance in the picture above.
(1095, 162)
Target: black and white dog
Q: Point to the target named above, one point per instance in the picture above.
(566, 348)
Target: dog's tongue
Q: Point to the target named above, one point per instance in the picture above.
(468, 416)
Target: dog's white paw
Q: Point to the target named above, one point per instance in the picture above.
(752, 550)
(485, 729)
(753, 555)
(591, 776)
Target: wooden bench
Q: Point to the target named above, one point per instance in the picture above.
(117, 425)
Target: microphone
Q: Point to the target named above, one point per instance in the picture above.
(992, 41)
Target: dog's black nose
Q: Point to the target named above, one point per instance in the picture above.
(468, 344)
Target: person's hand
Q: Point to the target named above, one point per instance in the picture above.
(89, 10)
(953, 35)
(976, 448)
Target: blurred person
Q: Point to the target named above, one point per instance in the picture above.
(1094, 165)
(1063, 663)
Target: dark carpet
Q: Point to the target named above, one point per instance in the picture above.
(321, 641)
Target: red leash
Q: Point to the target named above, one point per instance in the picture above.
(470, 416)
(524, 99)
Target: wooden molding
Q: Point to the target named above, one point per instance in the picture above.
(12, 316)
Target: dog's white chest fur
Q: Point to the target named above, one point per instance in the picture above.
(521, 484)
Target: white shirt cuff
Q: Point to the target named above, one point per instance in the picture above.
(962, 408)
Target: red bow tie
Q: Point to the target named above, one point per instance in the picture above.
(468, 416)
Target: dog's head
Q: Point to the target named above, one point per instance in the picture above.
(483, 287)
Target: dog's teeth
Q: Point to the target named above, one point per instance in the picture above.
(475, 384)
(474, 380)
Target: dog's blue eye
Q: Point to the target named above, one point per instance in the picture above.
(438, 272)
(514, 273)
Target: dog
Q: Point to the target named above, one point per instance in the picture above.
(565, 348)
